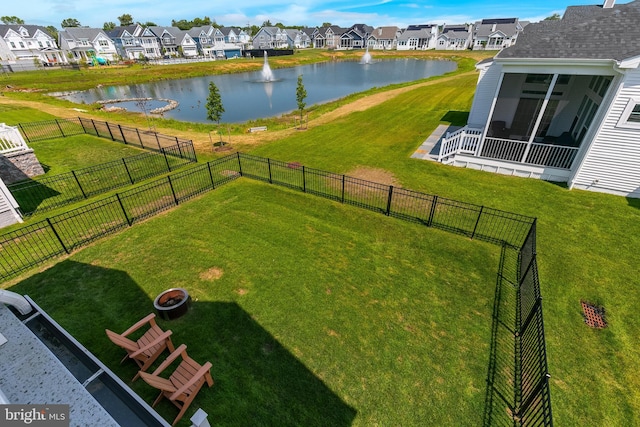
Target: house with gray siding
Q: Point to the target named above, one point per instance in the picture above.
(383, 38)
(497, 33)
(87, 44)
(563, 104)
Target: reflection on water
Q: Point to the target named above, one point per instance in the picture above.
(246, 97)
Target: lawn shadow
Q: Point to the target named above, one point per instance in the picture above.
(499, 397)
(456, 118)
(258, 381)
(31, 194)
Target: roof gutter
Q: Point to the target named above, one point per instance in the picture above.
(15, 300)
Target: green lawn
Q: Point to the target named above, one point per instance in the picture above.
(312, 312)
(12, 115)
(587, 247)
(61, 155)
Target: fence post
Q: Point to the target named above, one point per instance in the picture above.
(432, 212)
(389, 200)
(123, 211)
(172, 190)
(122, 134)
(157, 139)
(127, 169)
(213, 184)
(94, 127)
(110, 133)
(304, 180)
(477, 221)
(60, 128)
(239, 164)
(78, 182)
(165, 158)
(24, 133)
(179, 149)
(342, 198)
(57, 235)
(269, 165)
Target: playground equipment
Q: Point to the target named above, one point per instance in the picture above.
(97, 60)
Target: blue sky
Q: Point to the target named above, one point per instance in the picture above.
(289, 12)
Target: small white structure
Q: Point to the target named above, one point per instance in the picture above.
(9, 213)
(11, 140)
(563, 104)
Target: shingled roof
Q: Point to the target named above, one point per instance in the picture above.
(585, 32)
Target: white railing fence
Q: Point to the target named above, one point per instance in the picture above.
(463, 140)
(467, 141)
(11, 140)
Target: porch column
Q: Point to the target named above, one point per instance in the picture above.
(490, 116)
(534, 131)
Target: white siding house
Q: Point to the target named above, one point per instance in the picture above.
(87, 44)
(563, 104)
(20, 43)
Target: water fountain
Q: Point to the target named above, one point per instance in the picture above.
(267, 74)
(366, 58)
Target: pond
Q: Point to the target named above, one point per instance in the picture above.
(247, 96)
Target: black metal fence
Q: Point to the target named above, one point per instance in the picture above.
(523, 383)
(533, 396)
(35, 243)
(62, 128)
(39, 195)
(476, 222)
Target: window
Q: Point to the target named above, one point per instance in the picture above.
(13, 45)
(103, 43)
(630, 117)
(634, 117)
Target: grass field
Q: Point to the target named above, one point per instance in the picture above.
(311, 312)
(587, 247)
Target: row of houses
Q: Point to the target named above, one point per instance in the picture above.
(487, 34)
(74, 44)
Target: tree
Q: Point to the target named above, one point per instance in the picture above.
(326, 24)
(8, 20)
(149, 24)
(70, 22)
(214, 106)
(125, 19)
(267, 23)
(53, 31)
(108, 26)
(554, 17)
(301, 94)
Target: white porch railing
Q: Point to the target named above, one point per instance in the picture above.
(11, 140)
(556, 156)
(467, 141)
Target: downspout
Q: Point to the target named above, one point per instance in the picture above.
(16, 300)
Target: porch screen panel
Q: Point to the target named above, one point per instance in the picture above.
(519, 103)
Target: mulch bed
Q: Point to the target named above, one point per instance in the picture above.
(593, 315)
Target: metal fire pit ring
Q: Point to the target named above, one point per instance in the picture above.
(172, 303)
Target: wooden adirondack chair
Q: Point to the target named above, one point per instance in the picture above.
(183, 384)
(146, 349)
